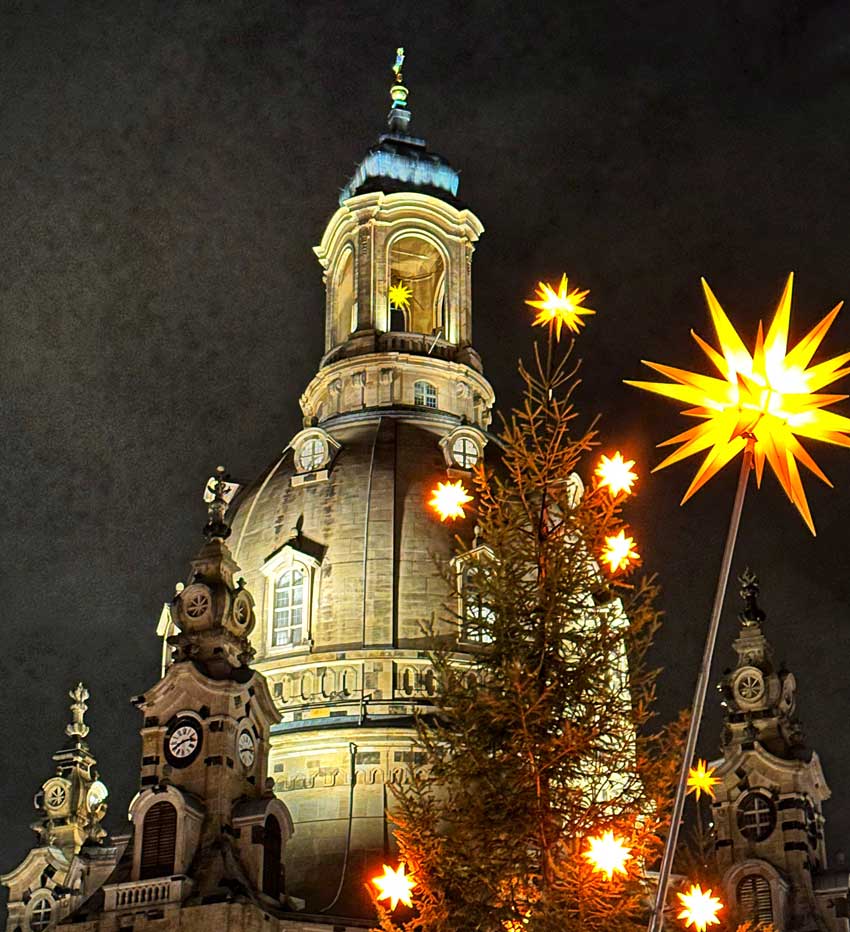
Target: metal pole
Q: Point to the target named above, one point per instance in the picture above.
(656, 920)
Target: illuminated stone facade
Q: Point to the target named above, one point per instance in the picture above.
(340, 525)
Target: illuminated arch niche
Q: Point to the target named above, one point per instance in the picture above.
(418, 264)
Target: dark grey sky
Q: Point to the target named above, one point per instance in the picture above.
(164, 171)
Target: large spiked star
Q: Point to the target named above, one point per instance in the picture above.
(770, 397)
(561, 306)
(395, 886)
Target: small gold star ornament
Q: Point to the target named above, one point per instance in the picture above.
(449, 498)
(399, 295)
(608, 855)
(619, 552)
(395, 886)
(561, 307)
(701, 779)
(616, 474)
(699, 908)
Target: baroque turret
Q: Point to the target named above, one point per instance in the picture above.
(73, 851)
(768, 810)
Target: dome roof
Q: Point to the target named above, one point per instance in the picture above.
(402, 163)
(380, 553)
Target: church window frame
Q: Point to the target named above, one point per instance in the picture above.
(278, 616)
(425, 394)
(313, 452)
(465, 453)
(272, 857)
(754, 898)
(158, 847)
(756, 817)
(463, 448)
(474, 615)
(288, 609)
(40, 911)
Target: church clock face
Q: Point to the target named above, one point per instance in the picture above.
(183, 742)
(246, 748)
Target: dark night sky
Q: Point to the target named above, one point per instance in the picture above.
(164, 171)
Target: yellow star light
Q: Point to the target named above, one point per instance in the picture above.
(701, 779)
(769, 396)
(448, 499)
(699, 908)
(616, 473)
(608, 855)
(395, 886)
(619, 551)
(399, 295)
(561, 307)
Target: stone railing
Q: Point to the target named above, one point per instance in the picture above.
(146, 893)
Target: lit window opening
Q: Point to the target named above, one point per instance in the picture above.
(465, 453)
(288, 617)
(425, 394)
(311, 455)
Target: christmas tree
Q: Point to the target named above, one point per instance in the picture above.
(542, 793)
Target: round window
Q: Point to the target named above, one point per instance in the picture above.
(311, 455)
(756, 817)
(465, 452)
(750, 686)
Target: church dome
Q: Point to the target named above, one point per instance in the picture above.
(372, 554)
(346, 562)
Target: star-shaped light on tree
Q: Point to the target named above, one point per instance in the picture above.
(399, 295)
(561, 307)
(616, 473)
(608, 855)
(619, 552)
(699, 908)
(770, 397)
(395, 886)
(449, 498)
(701, 779)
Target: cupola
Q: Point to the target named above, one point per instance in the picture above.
(397, 260)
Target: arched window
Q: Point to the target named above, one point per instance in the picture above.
(345, 312)
(288, 615)
(272, 851)
(417, 265)
(424, 394)
(754, 901)
(42, 911)
(756, 817)
(159, 838)
(478, 616)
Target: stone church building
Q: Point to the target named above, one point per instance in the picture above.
(294, 657)
(295, 653)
